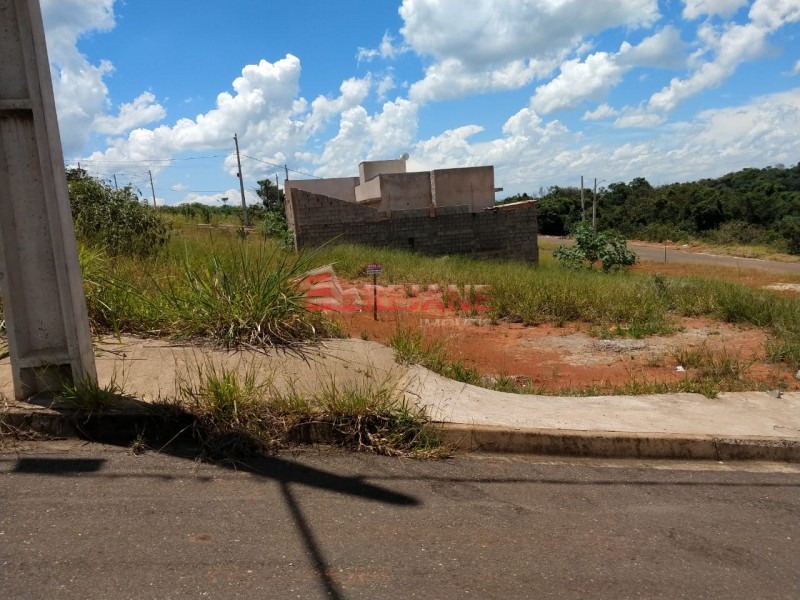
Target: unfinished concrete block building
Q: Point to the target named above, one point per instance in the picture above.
(445, 211)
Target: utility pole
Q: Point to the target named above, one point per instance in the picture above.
(245, 223)
(116, 187)
(44, 307)
(152, 188)
(583, 205)
(286, 169)
(594, 207)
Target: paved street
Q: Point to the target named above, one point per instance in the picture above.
(88, 521)
(655, 253)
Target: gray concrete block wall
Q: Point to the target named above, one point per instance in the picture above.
(508, 233)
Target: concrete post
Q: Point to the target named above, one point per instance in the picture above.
(40, 281)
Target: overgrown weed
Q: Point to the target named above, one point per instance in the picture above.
(239, 413)
(411, 346)
(90, 396)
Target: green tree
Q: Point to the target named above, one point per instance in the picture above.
(790, 228)
(590, 247)
(272, 197)
(274, 222)
(114, 219)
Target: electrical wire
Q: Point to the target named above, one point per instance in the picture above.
(147, 161)
(266, 162)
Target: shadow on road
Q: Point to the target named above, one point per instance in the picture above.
(173, 433)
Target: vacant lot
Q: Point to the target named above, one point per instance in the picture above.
(576, 356)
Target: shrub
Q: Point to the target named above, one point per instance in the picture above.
(274, 225)
(790, 229)
(739, 232)
(590, 247)
(114, 219)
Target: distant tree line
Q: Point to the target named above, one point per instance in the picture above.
(751, 206)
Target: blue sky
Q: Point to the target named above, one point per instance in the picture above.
(544, 90)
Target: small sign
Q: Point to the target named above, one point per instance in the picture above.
(373, 269)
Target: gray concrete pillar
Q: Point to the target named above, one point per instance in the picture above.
(43, 302)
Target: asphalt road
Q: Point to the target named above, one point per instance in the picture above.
(95, 522)
(651, 253)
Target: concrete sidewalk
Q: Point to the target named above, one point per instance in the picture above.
(745, 425)
(752, 425)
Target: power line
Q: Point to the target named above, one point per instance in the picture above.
(148, 160)
(266, 162)
(192, 191)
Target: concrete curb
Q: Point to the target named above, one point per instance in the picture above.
(610, 444)
(123, 426)
(114, 427)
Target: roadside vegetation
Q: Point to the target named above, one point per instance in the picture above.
(757, 210)
(591, 247)
(243, 413)
(167, 277)
(232, 288)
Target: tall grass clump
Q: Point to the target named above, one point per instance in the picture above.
(248, 295)
(228, 292)
(372, 414)
(91, 396)
(239, 413)
(412, 347)
(119, 293)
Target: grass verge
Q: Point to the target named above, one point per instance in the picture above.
(412, 347)
(212, 285)
(239, 413)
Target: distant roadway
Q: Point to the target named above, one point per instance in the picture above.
(651, 253)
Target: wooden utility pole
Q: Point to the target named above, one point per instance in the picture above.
(594, 207)
(286, 169)
(116, 187)
(152, 188)
(583, 205)
(245, 222)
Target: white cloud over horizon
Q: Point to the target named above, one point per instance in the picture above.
(572, 112)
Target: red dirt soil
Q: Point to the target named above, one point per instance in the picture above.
(550, 357)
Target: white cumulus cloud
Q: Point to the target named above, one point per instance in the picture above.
(664, 49)
(731, 45)
(261, 109)
(483, 33)
(386, 49)
(578, 80)
(638, 118)
(450, 78)
(604, 111)
(78, 86)
(141, 111)
(595, 76)
(698, 8)
(362, 136)
(505, 44)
